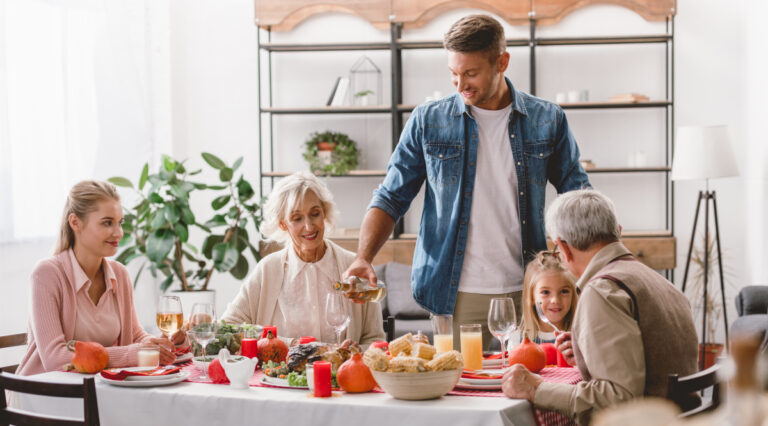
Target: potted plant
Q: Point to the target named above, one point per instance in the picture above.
(712, 307)
(157, 228)
(331, 153)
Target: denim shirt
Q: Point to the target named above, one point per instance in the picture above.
(439, 144)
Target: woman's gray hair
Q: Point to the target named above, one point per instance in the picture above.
(582, 218)
(286, 195)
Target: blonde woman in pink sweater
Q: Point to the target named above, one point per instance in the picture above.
(79, 294)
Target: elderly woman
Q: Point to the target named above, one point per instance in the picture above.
(288, 289)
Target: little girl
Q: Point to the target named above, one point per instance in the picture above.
(548, 284)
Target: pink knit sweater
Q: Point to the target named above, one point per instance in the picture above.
(54, 310)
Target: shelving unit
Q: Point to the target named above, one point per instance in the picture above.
(657, 10)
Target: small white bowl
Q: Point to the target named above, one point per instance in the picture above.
(417, 386)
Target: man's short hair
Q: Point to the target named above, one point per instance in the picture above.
(476, 33)
(582, 218)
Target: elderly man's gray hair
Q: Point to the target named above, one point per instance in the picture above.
(582, 218)
(286, 195)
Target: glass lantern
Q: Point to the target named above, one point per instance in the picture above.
(365, 83)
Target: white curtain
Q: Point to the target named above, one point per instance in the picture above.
(76, 91)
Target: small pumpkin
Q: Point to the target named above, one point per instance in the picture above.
(354, 376)
(270, 348)
(88, 357)
(216, 372)
(551, 352)
(529, 354)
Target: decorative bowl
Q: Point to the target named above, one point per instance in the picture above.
(416, 386)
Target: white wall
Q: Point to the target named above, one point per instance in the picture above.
(206, 54)
(711, 87)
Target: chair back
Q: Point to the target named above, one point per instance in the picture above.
(14, 383)
(682, 389)
(10, 341)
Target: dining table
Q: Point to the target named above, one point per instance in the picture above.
(195, 402)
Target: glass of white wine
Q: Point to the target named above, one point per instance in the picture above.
(170, 317)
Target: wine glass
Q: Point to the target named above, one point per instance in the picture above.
(336, 313)
(502, 320)
(202, 328)
(170, 317)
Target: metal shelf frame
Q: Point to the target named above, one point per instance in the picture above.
(396, 109)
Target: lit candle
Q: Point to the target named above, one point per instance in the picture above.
(322, 376)
(306, 339)
(249, 347)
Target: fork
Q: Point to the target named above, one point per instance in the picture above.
(544, 317)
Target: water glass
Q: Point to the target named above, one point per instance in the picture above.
(502, 320)
(337, 313)
(202, 327)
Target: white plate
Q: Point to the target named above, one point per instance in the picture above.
(147, 369)
(160, 381)
(280, 383)
(184, 358)
(461, 384)
(481, 381)
(492, 363)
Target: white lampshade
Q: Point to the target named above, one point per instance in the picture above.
(703, 152)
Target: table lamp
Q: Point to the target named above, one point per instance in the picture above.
(704, 152)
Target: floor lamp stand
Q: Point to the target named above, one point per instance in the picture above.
(707, 196)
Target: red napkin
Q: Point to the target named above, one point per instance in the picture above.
(496, 356)
(468, 375)
(181, 350)
(120, 374)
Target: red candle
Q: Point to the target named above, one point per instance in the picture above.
(561, 362)
(322, 372)
(306, 339)
(266, 330)
(249, 347)
(380, 344)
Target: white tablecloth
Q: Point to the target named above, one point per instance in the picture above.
(191, 404)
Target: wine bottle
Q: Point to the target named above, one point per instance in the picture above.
(360, 289)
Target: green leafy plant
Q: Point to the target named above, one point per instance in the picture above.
(362, 93)
(343, 158)
(157, 229)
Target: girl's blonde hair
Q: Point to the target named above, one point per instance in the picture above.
(82, 199)
(546, 262)
(286, 195)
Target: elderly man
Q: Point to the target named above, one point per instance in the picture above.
(631, 329)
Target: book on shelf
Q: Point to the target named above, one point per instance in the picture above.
(340, 94)
(629, 97)
(333, 91)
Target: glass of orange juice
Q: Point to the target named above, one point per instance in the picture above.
(471, 346)
(442, 328)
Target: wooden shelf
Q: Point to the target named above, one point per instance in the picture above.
(629, 169)
(378, 109)
(438, 44)
(353, 173)
(570, 41)
(611, 105)
(324, 47)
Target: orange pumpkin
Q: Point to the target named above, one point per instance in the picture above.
(354, 376)
(271, 348)
(529, 354)
(88, 357)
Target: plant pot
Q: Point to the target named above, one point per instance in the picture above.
(711, 352)
(326, 146)
(189, 298)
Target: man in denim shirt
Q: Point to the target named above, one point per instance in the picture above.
(486, 153)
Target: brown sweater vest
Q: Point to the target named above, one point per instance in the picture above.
(664, 316)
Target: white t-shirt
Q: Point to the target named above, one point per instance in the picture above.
(493, 255)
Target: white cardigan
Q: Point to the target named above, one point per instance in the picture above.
(257, 300)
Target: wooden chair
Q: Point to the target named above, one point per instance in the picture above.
(14, 383)
(681, 389)
(10, 341)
